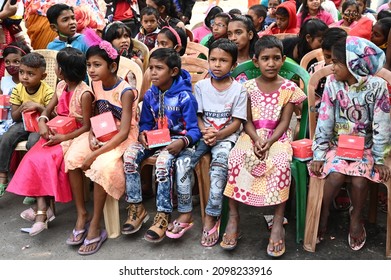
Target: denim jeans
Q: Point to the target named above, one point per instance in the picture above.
(164, 174)
(217, 174)
(10, 139)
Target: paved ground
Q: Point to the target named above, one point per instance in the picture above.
(50, 244)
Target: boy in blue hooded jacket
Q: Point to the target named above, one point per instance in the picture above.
(168, 105)
(62, 21)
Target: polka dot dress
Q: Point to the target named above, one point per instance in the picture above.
(266, 182)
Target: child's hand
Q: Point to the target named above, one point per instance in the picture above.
(88, 161)
(94, 145)
(54, 140)
(29, 106)
(210, 136)
(143, 140)
(316, 167)
(261, 148)
(384, 172)
(176, 147)
(44, 130)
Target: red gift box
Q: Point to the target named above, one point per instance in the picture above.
(5, 101)
(3, 114)
(158, 138)
(302, 149)
(350, 147)
(30, 121)
(62, 125)
(104, 126)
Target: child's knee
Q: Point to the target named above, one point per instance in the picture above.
(163, 166)
(336, 179)
(219, 162)
(132, 158)
(360, 183)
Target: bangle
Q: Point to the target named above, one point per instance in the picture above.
(43, 117)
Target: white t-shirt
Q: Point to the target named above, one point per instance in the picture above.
(219, 107)
(7, 84)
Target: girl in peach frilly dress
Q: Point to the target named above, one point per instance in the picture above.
(101, 162)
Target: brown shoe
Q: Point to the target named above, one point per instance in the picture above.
(157, 231)
(137, 215)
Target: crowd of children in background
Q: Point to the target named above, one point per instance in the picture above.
(243, 123)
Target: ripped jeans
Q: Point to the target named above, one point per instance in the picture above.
(218, 178)
(164, 173)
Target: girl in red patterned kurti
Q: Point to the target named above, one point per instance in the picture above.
(259, 164)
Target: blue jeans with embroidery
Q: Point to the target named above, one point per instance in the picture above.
(217, 174)
(164, 174)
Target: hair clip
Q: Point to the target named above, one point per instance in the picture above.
(173, 31)
(108, 48)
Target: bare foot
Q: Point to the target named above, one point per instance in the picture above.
(356, 230)
(183, 218)
(81, 222)
(276, 246)
(92, 234)
(210, 234)
(231, 230)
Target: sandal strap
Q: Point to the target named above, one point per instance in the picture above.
(76, 233)
(212, 230)
(91, 241)
(40, 212)
(181, 225)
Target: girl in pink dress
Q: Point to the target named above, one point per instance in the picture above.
(313, 9)
(101, 162)
(259, 164)
(41, 173)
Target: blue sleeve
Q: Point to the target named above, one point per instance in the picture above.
(189, 111)
(147, 119)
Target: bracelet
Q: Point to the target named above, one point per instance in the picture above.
(43, 117)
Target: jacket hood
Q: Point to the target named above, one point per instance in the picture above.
(290, 6)
(181, 83)
(363, 57)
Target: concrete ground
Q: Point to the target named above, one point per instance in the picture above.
(50, 244)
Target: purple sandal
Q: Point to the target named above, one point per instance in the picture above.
(98, 240)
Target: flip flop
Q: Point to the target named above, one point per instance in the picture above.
(273, 253)
(185, 227)
(99, 240)
(357, 246)
(207, 233)
(76, 233)
(230, 236)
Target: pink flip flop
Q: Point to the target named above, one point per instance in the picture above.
(207, 233)
(185, 227)
(99, 240)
